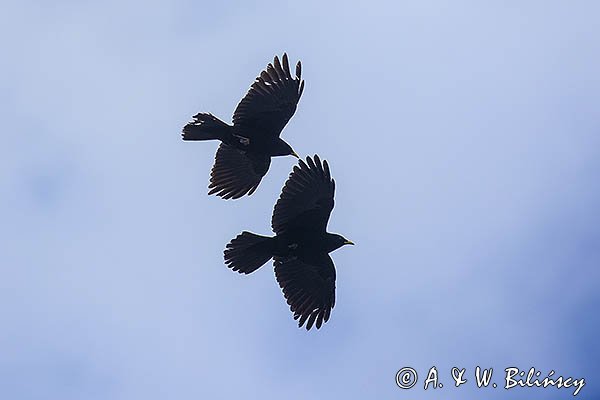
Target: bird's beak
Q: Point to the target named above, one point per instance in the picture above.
(349, 242)
(295, 155)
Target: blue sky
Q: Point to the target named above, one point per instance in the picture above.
(463, 137)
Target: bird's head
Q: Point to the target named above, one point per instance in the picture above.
(281, 148)
(336, 241)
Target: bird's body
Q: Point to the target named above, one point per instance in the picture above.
(301, 244)
(244, 155)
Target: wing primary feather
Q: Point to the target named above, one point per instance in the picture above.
(272, 73)
(278, 69)
(265, 76)
(320, 319)
(326, 168)
(303, 319)
(311, 320)
(319, 166)
(310, 162)
(286, 66)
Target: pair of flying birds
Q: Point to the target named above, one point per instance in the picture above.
(301, 245)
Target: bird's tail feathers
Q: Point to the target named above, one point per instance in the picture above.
(205, 126)
(248, 252)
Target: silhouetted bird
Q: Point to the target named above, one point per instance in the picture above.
(244, 155)
(301, 244)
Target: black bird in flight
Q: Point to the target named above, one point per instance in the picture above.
(301, 244)
(244, 155)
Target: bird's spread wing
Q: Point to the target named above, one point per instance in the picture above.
(235, 173)
(306, 200)
(308, 287)
(271, 100)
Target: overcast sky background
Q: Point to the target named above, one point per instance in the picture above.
(464, 138)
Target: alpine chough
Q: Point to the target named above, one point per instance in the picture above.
(301, 245)
(247, 146)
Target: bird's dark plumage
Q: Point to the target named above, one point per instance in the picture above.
(301, 244)
(235, 174)
(247, 147)
(306, 199)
